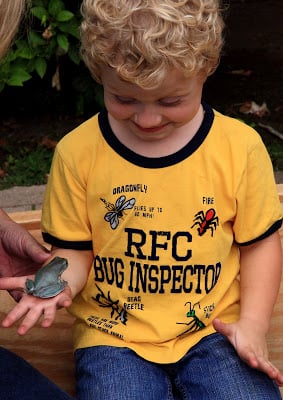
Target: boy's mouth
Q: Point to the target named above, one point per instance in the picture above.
(153, 129)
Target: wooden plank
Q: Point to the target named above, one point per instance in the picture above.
(30, 220)
(280, 191)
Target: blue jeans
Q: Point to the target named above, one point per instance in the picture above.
(19, 380)
(210, 370)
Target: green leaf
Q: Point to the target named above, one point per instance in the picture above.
(55, 6)
(63, 42)
(40, 12)
(41, 66)
(25, 52)
(64, 16)
(71, 27)
(19, 76)
(35, 39)
(74, 55)
(38, 3)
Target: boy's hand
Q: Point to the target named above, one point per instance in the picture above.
(250, 343)
(33, 308)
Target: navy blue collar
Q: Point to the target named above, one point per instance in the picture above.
(158, 162)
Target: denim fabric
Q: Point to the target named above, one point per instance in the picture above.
(19, 380)
(211, 370)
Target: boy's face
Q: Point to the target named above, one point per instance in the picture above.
(151, 114)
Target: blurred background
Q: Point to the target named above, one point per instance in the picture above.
(45, 89)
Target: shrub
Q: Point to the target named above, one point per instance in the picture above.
(48, 45)
(51, 30)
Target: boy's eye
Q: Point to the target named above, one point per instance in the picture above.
(125, 100)
(170, 101)
(165, 102)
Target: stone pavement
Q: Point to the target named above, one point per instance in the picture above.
(23, 198)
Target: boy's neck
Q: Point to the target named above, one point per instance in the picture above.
(162, 147)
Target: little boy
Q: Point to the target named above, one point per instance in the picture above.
(159, 202)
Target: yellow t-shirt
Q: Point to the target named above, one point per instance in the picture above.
(165, 232)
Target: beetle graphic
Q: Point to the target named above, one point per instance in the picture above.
(195, 324)
(205, 221)
(117, 211)
(107, 302)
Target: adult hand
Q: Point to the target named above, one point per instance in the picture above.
(20, 253)
(250, 343)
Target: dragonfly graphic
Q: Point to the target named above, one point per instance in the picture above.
(117, 211)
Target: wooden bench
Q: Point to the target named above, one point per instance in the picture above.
(50, 350)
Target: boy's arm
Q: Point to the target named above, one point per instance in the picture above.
(79, 263)
(260, 277)
(34, 308)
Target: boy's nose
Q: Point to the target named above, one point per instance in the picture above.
(147, 117)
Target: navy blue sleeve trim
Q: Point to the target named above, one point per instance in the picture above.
(270, 231)
(64, 244)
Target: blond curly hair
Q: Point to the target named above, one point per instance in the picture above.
(143, 39)
(11, 12)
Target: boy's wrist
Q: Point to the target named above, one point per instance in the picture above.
(261, 324)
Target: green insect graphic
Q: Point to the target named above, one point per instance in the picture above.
(195, 324)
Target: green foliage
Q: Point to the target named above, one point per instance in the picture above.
(27, 167)
(275, 151)
(51, 31)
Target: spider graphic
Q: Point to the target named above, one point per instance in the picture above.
(206, 221)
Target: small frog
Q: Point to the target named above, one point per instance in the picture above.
(47, 281)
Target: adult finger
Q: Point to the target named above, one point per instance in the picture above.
(11, 283)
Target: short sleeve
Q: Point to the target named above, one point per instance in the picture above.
(259, 211)
(64, 218)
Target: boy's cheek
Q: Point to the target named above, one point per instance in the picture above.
(119, 111)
